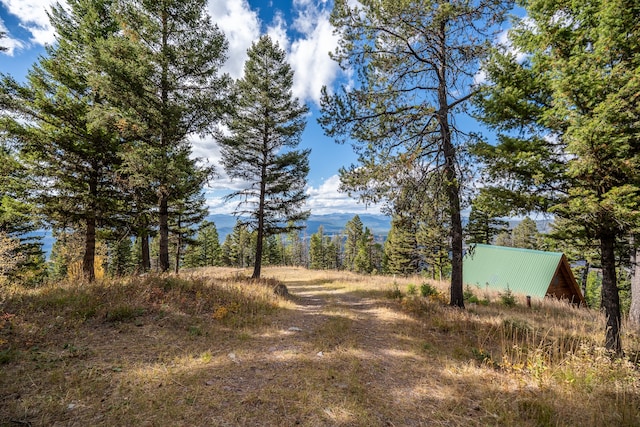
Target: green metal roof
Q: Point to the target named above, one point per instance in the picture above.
(523, 271)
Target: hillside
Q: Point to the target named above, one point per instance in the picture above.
(212, 348)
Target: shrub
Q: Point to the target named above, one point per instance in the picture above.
(469, 296)
(427, 290)
(507, 298)
(394, 292)
(412, 289)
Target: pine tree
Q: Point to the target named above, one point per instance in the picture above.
(318, 251)
(120, 260)
(237, 248)
(205, 251)
(162, 73)
(265, 128)
(525, 234)
(185, 215)
(18, 222)
(400, 248)
(483, 227)
(413, 61)
(353, 232)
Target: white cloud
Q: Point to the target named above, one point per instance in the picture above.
(9, 42)
(327, 199)
(32, 15)
(278, 31)
(309, 55)
(241, 27)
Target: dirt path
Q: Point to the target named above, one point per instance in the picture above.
(341, 359)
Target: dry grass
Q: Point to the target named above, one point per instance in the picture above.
(213, 348)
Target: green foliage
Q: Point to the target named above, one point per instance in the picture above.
(399, 248)
(395, 292)
(469, 296)
(412, 289)
(317, 250)
(124, 313)
(237, 249)
(162, 76)
(120, 262)
(354, 233)
(483, 227)
(427, 290)
(205, 250)
(525, 234)
(507, 298)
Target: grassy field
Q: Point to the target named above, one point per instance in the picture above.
(212, 348)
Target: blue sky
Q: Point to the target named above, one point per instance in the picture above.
(300, 26)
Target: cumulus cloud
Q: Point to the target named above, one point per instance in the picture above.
(327, 199)
(32, 15)
(241, 26)
(277, 30)
(9, 42)
(309, 54)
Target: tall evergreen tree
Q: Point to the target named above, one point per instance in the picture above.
(414, 62)
(162, 72)
(67, 137)
(185, 215)
(318, 251)
(237, 249)
(353, 232)
(483, 227)
(568, 115)
(205, 250)
(19, 220)
(267, 120)
(400, 247)
(525, 234)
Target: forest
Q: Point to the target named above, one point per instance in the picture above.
(95, 143)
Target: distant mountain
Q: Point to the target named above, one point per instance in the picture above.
(332, 223)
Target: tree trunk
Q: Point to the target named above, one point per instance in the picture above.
(88, 260)
(634, 310)
(585, 276)
(257, 266)
(145, 252)
(163, 221)
(450, 174)
(610, 297)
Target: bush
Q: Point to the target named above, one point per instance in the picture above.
(427, 290)
(469, 296)
(394, 292)
(507, 298)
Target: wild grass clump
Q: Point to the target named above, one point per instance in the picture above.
(395, 292)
